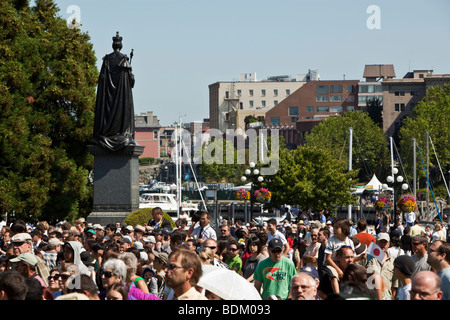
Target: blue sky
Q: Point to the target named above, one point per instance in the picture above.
(182, 46)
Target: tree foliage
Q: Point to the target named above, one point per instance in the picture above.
(215, 166)
(432, 115)
(310, 178)
(48, 77)
(370, 152)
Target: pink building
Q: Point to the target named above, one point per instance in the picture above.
(147, 134)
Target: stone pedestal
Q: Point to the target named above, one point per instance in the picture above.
(116, 183)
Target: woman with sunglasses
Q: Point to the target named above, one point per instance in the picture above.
(54, 283)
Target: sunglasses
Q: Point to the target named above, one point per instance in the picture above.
(56, 277)
(173, 267)
(107, 274)
(18, 244)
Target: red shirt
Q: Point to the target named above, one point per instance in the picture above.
(365, 238)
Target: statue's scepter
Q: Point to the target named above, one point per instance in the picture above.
(131, 55)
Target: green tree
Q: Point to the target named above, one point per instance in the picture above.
(431, 114)
(370, 152)
(48, 78)
(374, 108)
(215, 166)
(310, 178)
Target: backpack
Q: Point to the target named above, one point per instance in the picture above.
(161, 282)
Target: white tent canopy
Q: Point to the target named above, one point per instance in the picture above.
(373, 185)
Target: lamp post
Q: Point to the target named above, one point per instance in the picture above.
(252, 172)
(392, 179)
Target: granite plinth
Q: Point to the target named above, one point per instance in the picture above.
(116, 183)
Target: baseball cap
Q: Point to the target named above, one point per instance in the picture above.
(126, 239)
(139, 228)
(98, 226)
(21, 237)
(311, 271)
(383, 236)
(150, 239)
(27, 258)
(275, 243)
(138, 245)
(164, 257)
(55, 242)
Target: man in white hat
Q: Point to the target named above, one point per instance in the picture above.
(22, 243)
(385, 269)
(26, 264)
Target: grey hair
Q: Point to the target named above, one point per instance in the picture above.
(313, 282)
(117, 267)
(130, 261)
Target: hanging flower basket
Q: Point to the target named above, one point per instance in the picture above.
(262, 195)
(383, 204)
(242, 194)
(407, 203)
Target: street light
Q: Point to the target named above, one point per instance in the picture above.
(393, 179)
(251, 173)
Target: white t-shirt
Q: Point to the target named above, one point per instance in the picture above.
(277, 235)
(334, 244)
(410, 217)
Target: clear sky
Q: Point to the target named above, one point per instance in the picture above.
(182, 46)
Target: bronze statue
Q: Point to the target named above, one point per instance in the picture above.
(114, 110)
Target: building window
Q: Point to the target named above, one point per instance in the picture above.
(263, 92)
(309, 109)
(397, 107)
(322, 89)
(241, 105)
(275, 92)
(274, 121)
(322, 99)
(402, 107)
(263, 103)
(239, 92)
(294, 119)
(322, 109)
(293, 111)
(227, 94)
(336, 109)
(275, 102)
(350, 88)
(288, 92)
(335, 98)
(336, 88)
(251, 103)
(250, 92)
(155, 134)
(350, 108)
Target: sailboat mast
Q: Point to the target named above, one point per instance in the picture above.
(350, 166)
(414, 169)
(428, 174)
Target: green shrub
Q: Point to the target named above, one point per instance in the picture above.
(143, 216)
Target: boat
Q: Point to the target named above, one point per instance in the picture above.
(166, 201)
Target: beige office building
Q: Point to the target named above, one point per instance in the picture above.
(230, 102)
(400, 96)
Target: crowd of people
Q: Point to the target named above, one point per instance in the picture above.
(324, 259)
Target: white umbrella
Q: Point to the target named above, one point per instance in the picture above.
(227, 284)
